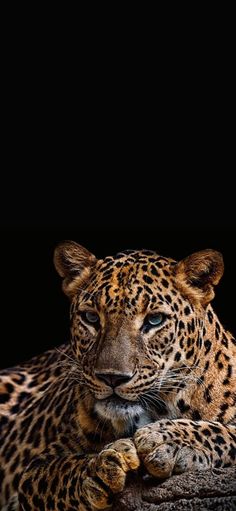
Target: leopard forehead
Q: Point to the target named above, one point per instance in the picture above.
(127, 275)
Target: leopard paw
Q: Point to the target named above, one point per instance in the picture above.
(167, 447)
(107, 473)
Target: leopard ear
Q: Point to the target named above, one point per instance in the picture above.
(197, 275)
(73, 262)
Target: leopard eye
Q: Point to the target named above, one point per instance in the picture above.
(153, 321)
(92, 318)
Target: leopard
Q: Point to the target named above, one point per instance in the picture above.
(146, 384)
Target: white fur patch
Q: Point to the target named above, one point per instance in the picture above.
(123, 416)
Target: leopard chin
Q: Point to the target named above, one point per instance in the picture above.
(126, 416)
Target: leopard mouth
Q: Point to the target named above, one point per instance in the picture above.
(126, 416)
(119, 404)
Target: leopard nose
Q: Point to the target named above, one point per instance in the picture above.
(114, 380)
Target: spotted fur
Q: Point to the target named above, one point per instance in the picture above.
(149, 377)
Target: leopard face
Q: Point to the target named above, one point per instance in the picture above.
(138, 327)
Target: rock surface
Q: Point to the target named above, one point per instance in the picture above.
(196, 491)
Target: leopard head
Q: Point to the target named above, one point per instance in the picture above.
(137, 322)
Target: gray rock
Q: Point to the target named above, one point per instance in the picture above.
(192, 491)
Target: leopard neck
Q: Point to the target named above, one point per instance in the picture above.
(218, 372)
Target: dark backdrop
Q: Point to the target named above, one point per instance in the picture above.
(33, 308)
(116, 159)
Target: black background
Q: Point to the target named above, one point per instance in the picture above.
(34, 311)
(115, 146)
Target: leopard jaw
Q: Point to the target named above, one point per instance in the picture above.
(125, 418)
